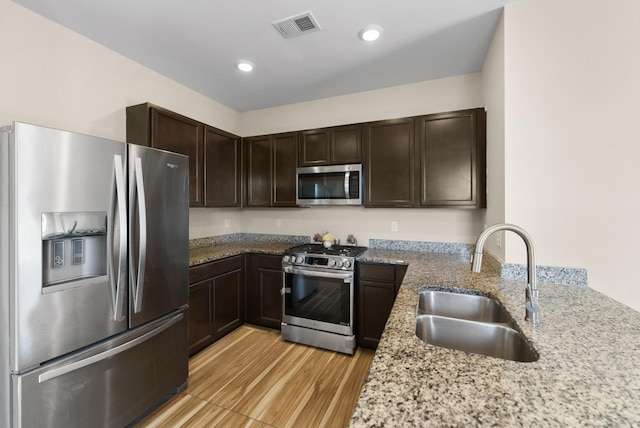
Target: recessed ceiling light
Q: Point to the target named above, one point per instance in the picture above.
(245, 66)
(371, 33)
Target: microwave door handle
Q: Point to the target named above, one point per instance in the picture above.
(117, 270)
(346, 184)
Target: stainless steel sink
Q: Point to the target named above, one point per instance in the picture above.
(465, 306)
(470, 323)
(493, 340)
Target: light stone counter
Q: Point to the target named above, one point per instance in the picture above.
(203, 250)
(227, 249)
(588, 373)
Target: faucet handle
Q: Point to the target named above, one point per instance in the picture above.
(532, 309)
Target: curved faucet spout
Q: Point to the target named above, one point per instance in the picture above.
(531, 295)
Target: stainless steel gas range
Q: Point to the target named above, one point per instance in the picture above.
(318, 296)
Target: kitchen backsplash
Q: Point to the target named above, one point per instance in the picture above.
(512, 271)
(425, 246)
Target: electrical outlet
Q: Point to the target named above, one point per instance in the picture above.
(278, 223)
(394, 226)
(227, 223)
(499, 239)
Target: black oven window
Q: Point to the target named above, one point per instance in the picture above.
(320, 299)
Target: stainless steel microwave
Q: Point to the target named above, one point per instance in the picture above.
(329, 185)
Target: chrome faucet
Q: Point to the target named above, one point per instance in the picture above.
(532, 308)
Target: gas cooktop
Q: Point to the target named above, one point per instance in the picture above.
(334, 250)
(341, 257)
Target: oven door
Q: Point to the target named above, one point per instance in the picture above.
(318, 298)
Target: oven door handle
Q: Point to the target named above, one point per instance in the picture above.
(348, 276)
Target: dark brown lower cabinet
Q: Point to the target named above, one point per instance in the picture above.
(264, 282)
(219, 294)
(216, 300)
(378, 285)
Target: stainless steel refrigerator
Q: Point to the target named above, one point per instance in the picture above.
(94, 278)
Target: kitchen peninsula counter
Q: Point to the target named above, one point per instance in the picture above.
(588, 373)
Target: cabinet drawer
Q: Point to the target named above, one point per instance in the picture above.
(207, 270)
(200, 272)
(378, 272)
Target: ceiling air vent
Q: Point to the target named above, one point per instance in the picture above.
(297, 25)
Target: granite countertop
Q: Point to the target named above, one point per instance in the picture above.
(588, 373)
(209, 253)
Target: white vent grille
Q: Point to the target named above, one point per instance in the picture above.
(297, 25)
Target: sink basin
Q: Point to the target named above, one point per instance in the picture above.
(491, 339)
(465, 306)
(470, 323)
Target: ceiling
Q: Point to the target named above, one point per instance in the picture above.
(198, 43)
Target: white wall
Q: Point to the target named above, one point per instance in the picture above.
(572, 154)
(493, 80)
(432, 96)
(446, 225)
(54, 77)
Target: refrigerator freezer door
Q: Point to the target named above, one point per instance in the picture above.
(159, 233)
(107, 385)
(66, 179)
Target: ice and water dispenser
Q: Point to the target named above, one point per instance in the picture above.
(74, 247)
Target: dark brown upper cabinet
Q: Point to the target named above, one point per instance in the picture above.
(314, 147)
(390, 163)
(452, 159)
(271, 170)
(222, 172)
(152, 126)
(214, 155)
(330, 146)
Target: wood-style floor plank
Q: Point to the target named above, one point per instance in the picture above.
(287, 401)
(252, 378)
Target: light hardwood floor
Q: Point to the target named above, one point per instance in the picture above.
(252, 378)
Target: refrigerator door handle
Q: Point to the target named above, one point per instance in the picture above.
(60, 371)
(117, 272)
(137, 275)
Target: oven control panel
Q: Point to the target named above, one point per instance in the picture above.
(322, 261)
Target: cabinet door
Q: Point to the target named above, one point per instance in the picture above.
(390, 163)
(216, 300)
(200, 316)
(346, 144)
(228, 297)
(453, 147)
(175, 133)
(259, 171)
(222, 179)
(285, 149)
(314, 148)
(264, 301)
(378, 285)
(375, 300)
